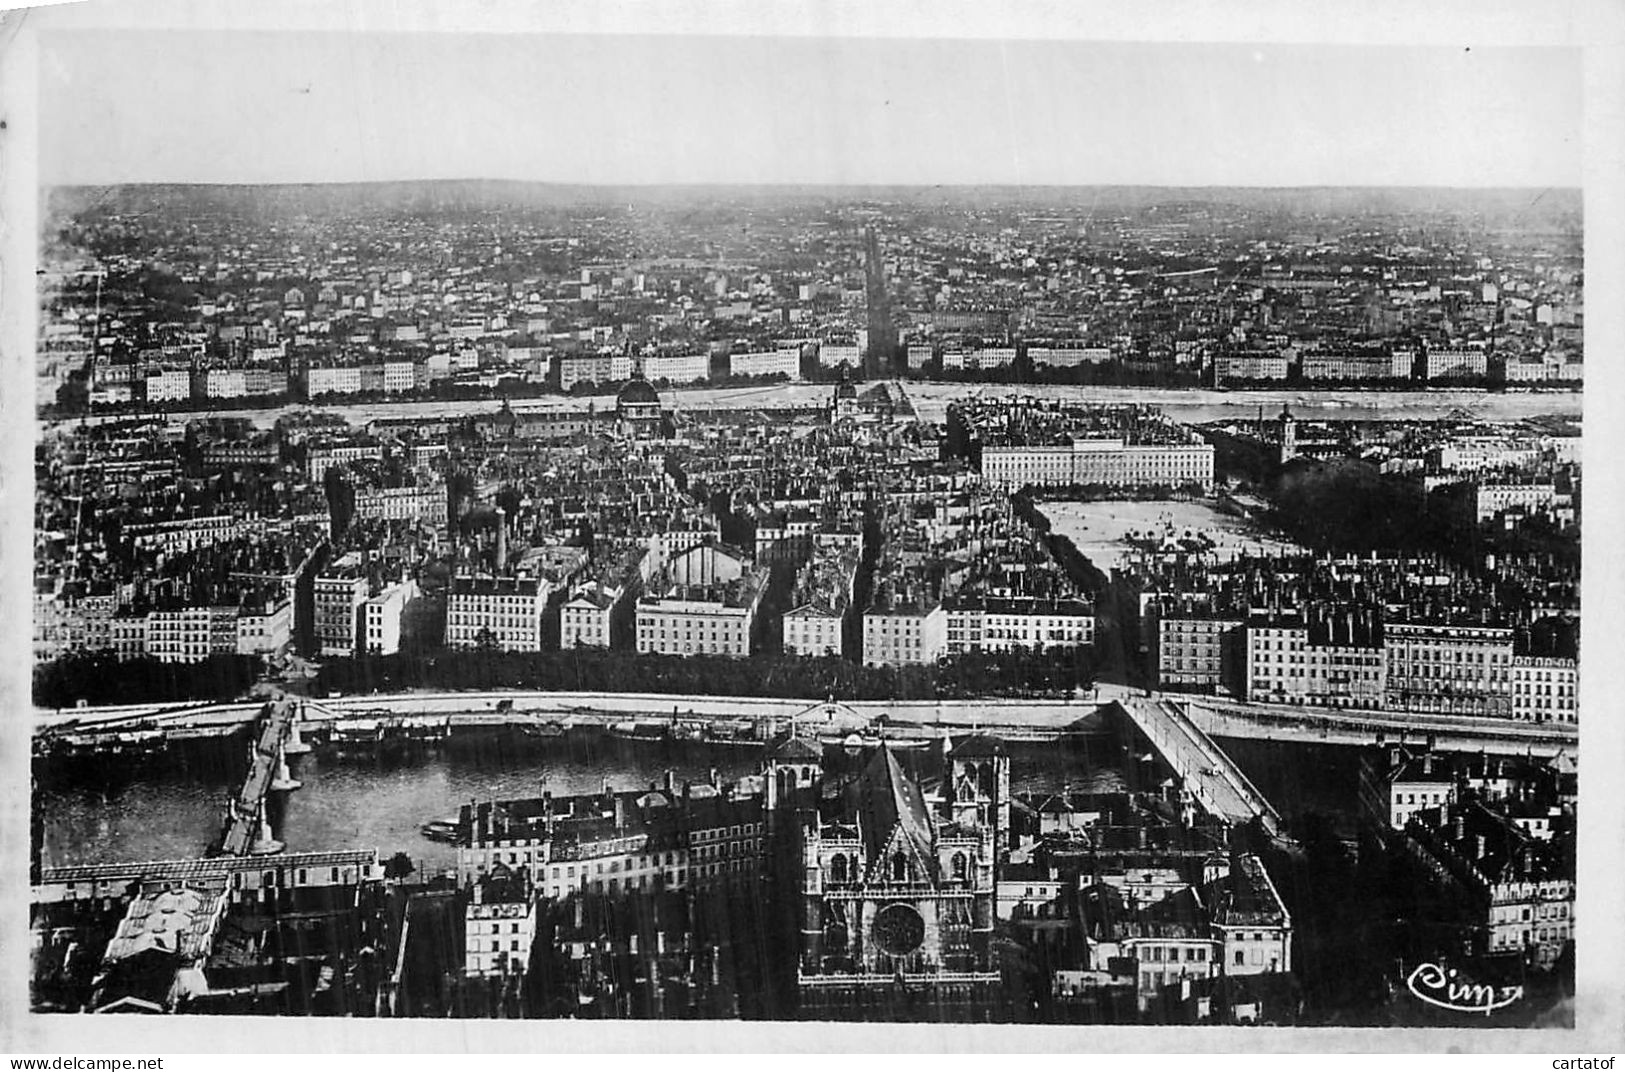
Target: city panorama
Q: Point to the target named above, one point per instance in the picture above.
(1093, 605)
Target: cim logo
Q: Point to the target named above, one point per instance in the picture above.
(1448, 989)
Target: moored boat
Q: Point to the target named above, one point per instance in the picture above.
(641, 731)
(732, 731)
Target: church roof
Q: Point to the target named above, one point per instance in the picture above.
(797, 748)
(883, 798)
(978, 745)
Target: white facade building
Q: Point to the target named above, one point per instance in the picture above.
(338, 592)
(695, 626)
(766, 363)
(900, 636)
(225, 383)
(1545, 689)
(399, 376)
(498, 937)
(191, 635)
(831, 354)
(584, 621)
(677, 368)
(507, 610)
(1068, 356)
(381, 617)
(332, 380)
(265, 631)
(1108, 462)
(169, 385)
(813, 630)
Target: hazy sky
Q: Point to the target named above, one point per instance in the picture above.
(175, 106)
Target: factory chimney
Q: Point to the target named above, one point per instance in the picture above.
(502, 539)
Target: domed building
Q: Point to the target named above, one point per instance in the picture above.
(637, 407)
(844, 406)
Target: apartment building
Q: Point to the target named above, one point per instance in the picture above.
(332, 380)
(191, 634)
(1291, 663)
(1491, 500)
(1545, 689)
(1250, 366)
(1004, 624)
(382, 617)
(425, 504)
(814, 629)
(265, 629)
(1448, 669)
(593, 368)
(701, 619)
(1196, 652)
(499, 925)
(169, 385)
(677, 368)
(505, 611)
(766, 363)
(338, 593)
(1456, 364)
(1509, 891)
(902, 635)
(1068, 356)
(399, 377)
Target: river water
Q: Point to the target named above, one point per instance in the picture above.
(1193, 406)
(930, 401)
(171, 807)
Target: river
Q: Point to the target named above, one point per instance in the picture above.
(1201, 406)
(170, 807)
(930, 401)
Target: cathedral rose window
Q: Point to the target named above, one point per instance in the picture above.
(899, 929)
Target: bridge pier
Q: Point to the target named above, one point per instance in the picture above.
(294, 744)
(282, 780)
(266, 843)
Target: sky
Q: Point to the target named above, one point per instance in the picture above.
(262, 106)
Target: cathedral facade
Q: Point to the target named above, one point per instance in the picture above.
(896, 900)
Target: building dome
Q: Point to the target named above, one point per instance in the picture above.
(637, 392)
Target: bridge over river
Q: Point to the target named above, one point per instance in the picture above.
(248, 827)
(1180, 729)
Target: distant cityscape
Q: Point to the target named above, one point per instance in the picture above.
(1090, 606)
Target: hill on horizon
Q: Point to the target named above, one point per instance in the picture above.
(1530, 205)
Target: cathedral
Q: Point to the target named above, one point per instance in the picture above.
(896, 890)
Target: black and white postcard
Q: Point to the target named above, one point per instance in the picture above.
(988, 533)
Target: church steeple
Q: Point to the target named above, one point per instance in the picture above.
(1289, 435)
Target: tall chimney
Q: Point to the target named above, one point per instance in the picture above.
(502, 539)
